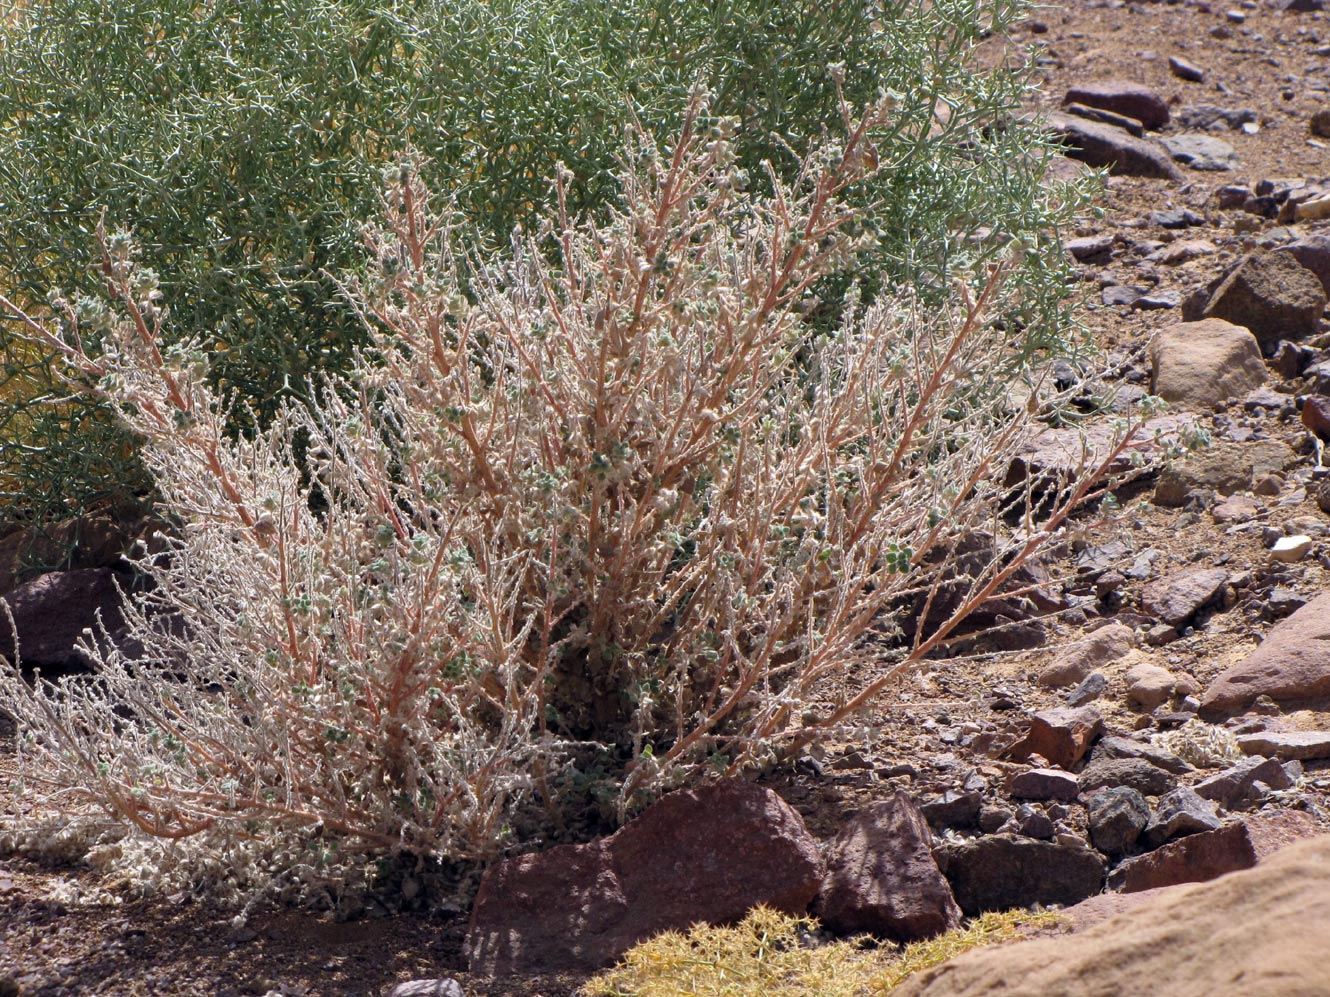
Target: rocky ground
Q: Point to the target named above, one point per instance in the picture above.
(1172, 723)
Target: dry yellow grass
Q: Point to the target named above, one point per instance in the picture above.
(770, 954)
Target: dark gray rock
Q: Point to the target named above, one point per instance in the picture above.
(52, 611)
(1201, 152)
(1117, 816)
(953, 809)
(1135, 773)
(1178, 597)
(1043, 784)
(1092, 688)
(1245, 783)
(1179, 813)
(1001, 871)
(1125, 747)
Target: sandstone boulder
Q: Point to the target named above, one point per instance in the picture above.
(1260, 933)
(1291, 666)
(1198, 365)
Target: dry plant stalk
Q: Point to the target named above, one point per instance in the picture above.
(625, 506)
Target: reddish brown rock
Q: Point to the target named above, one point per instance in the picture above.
(882, 879)
(1270, 293)
(51, 611)
(1062, 736)
(1076, 661)
(1313, 252)
(1122, 97)
(1002, 871)
(1291, 666)
(1200, 857)
(1259, 933)
(1043, 784)
(1316, 415)
(702, 855)
(1177, 597)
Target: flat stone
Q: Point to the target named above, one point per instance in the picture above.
(1291, 549)
(953, 809)
(1185, 70)
(1225, 467)
(1074, 662)
(1303, 746)
(1002, 871)
(1124, 747)
(1131, 773)
(1094, 686)
(1198, 365)
(1201, 857)
(1201, 152)
(428, 988)
(1043, 784)
(1129, 125)
(702, 855)
(1122, 97)
(1178, 597)
(1088, 247)
(1101, 145)
(1291, 666)
(882, 879)
(1241, 785)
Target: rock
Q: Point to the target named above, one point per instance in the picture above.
(1176, 218)
(953, 809)
(1203, 117)
(1132, 773)
(1237, 509)
(1034, 823)
(1088, 247)
(1043, 784)
(1076, 661)
(993, 818)
(1062, 736)
(1065, 452)
(702, 855)
(1291, 666)
(1201, 152)
(1103, 145)
(1122, 97)
(1185, 70)
(1157, 301)
(52, 611)
(1094, 686)
(1259, 933)
(1291, 549)
(1198, 365)
(1001, 871)
(1201, 857)
(1180, 812)
(1313, 252)
(1149, 686)
(1178, 597)
(1129, 125)
(1125, 747)
(427, 988)
(1225, 468)
(1236, 788)
(882, 879)
(1182, 251)
(1270, 293)
(1320, 123)
(1303, 746)
(1117, 817)
(1316, 417)
(1121, 295)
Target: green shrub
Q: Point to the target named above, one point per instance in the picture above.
(242, 142)
(599, 522)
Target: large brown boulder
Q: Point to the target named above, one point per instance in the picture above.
(882, 879)
(1291, 666)
(1270, 293)
(701, 855)
(1121, 152)
(1259, 933)
(1198, 365)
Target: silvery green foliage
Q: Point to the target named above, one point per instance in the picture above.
(597, 527)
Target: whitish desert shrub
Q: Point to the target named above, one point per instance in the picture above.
(586, 529)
